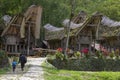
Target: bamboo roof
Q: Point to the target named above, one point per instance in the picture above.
(50, 27)
(52, 32)
(106, 27)
(92, 21)
(109, 27)
(109, 22)
(32, 18)
(6, 19)
(13, 26)
(106, 31)
(19, 23)
(80, 18)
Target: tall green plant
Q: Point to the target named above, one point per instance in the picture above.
(59, 55)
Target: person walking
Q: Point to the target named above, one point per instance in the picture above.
(22, 61)
(14, 63)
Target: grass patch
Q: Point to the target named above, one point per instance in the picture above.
(51, 73)
(4, 70)
(9, 67)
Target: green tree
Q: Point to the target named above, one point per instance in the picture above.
(55, 11)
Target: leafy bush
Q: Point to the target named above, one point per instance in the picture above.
(2, 54)
(88, 64)
(112, 54)
(97, 64)
(117, 53)
(3, 59)
(59, 55)
(77, 54)
(98, 54)
(49, 56)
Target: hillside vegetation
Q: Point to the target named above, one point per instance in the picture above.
(55, 11)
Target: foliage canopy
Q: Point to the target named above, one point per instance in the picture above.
(54, 11)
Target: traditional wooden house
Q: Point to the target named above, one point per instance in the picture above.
(22, 31)
(81, 35)
(54, 36)
(109, 34)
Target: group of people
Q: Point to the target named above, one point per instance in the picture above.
(22, 61)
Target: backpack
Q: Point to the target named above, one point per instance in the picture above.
(23, 59)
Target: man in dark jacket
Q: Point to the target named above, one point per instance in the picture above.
(22, 60)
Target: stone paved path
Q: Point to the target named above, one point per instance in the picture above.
(33, 71)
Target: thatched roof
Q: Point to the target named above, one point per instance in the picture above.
(106, 31)
(72, 24)
(74, 28)
(52, 32)
(91, 22)
(6, 19)
(50, 27)
(80, 18)
(13, 26)
(109, 22)
(109, 27)
(32, 18)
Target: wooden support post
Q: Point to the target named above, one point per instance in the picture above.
(11, 48)
(28, 50)
(24, 49)
(79, 42)
(35, 44)
(61, 43)
(16, 48)
(91, 40)
(94, 45)
(5, 47)
(20, 48)
(79, 47)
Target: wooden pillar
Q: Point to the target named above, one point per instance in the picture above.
(16, 48)
(35, 44)
(0, 46)
(28, 50)
(20, 48)
(90, 38)
(5, 47)
(61, 43)
(78, 40)
(11, 48)
(24, 49)
(79, 46)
